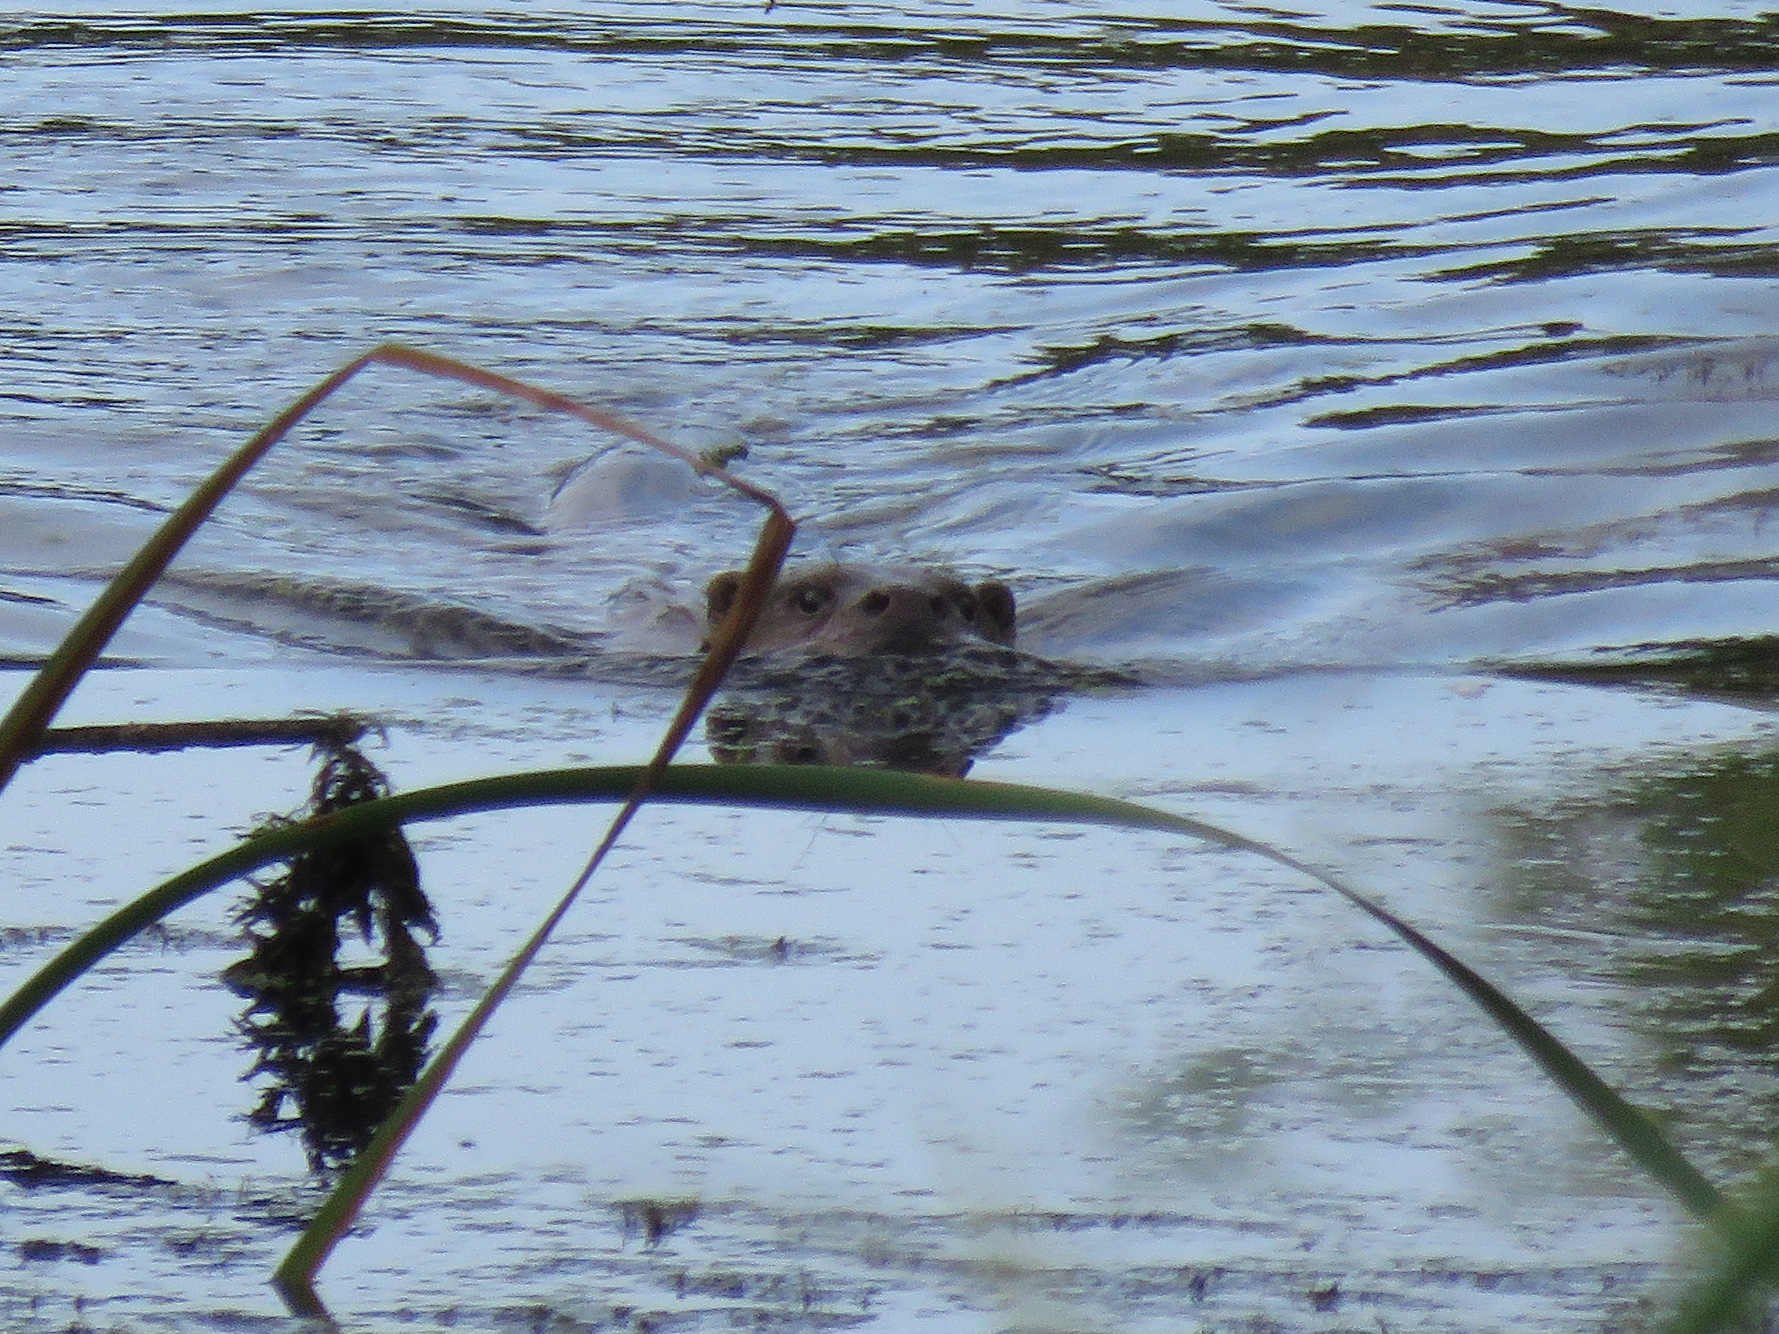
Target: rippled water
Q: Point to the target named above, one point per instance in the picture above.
(1308, 305)
(1240, 340)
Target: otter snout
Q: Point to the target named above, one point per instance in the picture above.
(902, 619)
(856, 610)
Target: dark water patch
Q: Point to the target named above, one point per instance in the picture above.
(74, 131)
(26, 599)
(1175, 343)
(1557, 583)
(1121, 480)
(1669, 869)
(1544, 40)
(1711, 251)
(32, 1171)
(42, 1249)
(77, 491)
(1023, 250)
(1397, 414)
(483, 515)
(1546, 344)
(1394, 156)
(1744, 670)
(987, 248)
(29, 938)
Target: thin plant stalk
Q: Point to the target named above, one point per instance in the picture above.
(295, 1276)
(21, 730)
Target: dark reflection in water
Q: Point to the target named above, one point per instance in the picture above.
(931, 714)
(1671, 884)
(1530, 37)
(330, 1078)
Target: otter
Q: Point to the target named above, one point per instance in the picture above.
(906, 667)
(887, 662)
(857, 610)
(832, 609)
(861, 667)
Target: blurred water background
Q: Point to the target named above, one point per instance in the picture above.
(1243, 341)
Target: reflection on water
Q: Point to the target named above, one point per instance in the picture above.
(1673, 876)
(331, 1081)
(927, 713)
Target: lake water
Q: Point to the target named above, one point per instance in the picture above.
(1301, 360)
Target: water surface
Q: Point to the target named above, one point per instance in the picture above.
(1246, 343)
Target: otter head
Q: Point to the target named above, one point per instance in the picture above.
(858, 610)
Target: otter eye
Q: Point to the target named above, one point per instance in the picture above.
(810, 598)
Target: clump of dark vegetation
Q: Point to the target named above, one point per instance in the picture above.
(336, 1079)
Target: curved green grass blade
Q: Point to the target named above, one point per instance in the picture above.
(805, 788)
(867, 791)
(878, 791)
(22, 729)
(1730, 1295)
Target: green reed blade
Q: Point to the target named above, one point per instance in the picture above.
(1737, 1282)
(889, 792)
(21, 730)
(862, 791)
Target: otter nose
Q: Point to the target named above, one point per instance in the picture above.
(902, 617)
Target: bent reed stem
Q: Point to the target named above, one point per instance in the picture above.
(881, 792)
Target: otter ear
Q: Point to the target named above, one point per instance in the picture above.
(719, 595)
(994, 608)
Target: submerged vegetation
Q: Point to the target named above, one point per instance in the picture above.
(348, 861)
